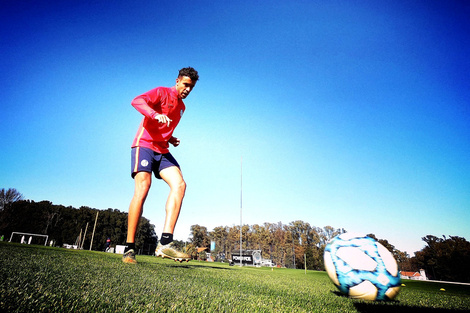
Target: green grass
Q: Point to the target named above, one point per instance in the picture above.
(43, 279)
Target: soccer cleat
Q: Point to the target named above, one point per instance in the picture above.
(129, 257)
(165, 251)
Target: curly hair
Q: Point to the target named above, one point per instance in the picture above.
(189, 72)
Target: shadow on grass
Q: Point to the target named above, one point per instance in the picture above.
(189, 266)
(394, 306)
(387, 308)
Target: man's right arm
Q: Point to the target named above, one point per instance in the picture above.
(142, 106)
(140, 103)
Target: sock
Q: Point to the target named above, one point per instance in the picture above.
(166, 238)
(129, 246)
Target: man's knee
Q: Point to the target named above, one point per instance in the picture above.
(180, 187)
(183, 186)
(143, 182)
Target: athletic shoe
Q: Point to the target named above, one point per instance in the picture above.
(165, 251)
(129, 257)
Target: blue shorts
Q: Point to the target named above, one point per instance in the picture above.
(150, 161)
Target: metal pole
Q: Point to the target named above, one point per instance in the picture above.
(94, 227)
(241, 206)
(83, 241)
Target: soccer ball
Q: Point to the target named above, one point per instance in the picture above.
(362, 268)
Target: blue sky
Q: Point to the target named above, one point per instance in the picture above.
(349, 114)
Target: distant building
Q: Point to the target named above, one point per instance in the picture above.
(421, 275)
(250, 258)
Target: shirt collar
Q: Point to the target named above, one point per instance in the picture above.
(174, 93)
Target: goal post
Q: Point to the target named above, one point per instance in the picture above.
(27, 237)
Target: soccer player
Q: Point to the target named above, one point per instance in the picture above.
(162, 108)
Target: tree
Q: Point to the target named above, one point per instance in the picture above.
(233, 239)
(445, 258)
(405, 263)
(179, 245)
(328, 233)
(279, 244)
(199, 236)
(7, 197)
(265, 241)
(402, 258)
(219, 235)
(24, 216)
(64, 224)
(146, 237)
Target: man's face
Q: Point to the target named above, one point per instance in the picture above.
(184, 85)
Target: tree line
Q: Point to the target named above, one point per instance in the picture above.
(67, 225)
(291, 245)
(287, 245)
(294, 245)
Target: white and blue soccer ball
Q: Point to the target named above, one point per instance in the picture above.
(362, 268)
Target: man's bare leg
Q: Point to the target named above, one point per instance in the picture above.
(174, 178)
(143, 180)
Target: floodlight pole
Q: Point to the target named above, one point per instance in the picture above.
(83, 240)
(79, 239)
(94, 227)
(241, 207)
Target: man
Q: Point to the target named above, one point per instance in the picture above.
(108, 243)
(162, 108)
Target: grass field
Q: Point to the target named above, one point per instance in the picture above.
(44, 279)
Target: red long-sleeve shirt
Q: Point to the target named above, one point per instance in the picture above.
(152, 134)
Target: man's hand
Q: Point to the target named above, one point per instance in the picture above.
(174, 141)
(163, 119)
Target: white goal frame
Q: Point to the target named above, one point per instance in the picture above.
(28, 234)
